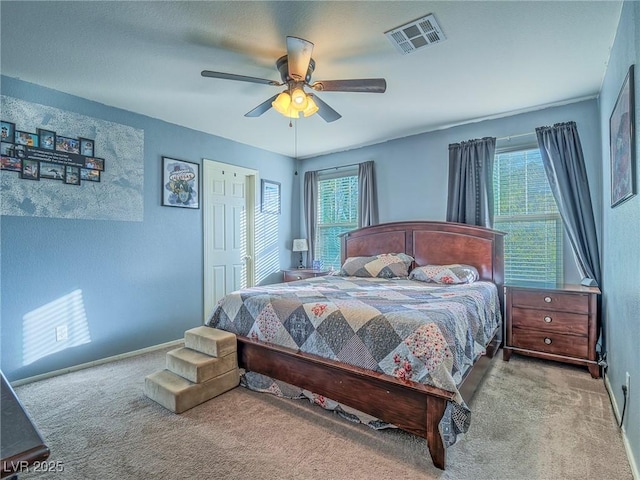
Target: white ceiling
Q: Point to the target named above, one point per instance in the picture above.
(499, 58)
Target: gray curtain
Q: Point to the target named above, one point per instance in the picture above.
(311, 212)
(564, 163)
(470, 198)
(367, 196)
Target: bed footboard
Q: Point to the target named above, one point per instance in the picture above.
(417, 408)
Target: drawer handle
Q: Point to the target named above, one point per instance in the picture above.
(547, 299)
(547, 319)
(547, 340)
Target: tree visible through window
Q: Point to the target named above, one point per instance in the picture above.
(337, 214)
(526, 210)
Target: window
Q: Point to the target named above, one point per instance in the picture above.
(526, 210)
(337, 214)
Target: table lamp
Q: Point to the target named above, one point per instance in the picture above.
(300, 245)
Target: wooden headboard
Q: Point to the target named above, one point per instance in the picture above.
(434, 243)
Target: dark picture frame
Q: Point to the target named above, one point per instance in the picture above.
(7, 149)
(87, 147)
(90, 175)
(270, 197)
(622, 143)
(47, 139)
(180, 183)
(53, 171)
(71, 175)
(67, 144)
(30, 170)
(94, 163)
(26, 138)
(8, 130)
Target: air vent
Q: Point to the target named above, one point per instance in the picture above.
(416, 35)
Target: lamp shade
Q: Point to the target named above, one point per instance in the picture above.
(299, 99)
(311, 107)
(300, 245)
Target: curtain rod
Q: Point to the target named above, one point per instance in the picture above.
(341, 166)
(509, 137)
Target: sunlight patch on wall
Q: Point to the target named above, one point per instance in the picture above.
(267, 252)
(54, 327)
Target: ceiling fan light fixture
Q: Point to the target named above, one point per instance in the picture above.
(311, 107)
(282, 103)
(299, 99)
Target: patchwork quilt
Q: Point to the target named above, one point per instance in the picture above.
(424, 332)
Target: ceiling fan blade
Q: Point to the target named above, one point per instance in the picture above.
(369, 85)
(242, 78)
(298, 57)
(325, 111)
(263, 107)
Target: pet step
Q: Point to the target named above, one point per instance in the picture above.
(210, 341)
(179, 394)
(198, 367)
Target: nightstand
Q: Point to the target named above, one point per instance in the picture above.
(293, 274)
(555, 323)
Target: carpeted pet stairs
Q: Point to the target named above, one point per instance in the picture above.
(204, 368)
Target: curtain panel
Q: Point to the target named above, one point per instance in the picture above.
(470, 195)
(311, 212)
(563, 162)
(367, 195)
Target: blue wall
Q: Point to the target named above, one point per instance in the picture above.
(621, 272)
(139, 283)
(412, 172)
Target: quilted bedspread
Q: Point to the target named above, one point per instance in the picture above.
(423, 332)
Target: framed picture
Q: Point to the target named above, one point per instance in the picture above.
(54, 171)
(622, 143)
(47, 139)
(20, 151)
(270, 197)
(26, 138)
(180, 183)
(86, 147)
(10, 163)
(8, 131)
(71, 175)
(90, 175)
(7, 149)
(30, 170)
(67, 144)
(93, 163)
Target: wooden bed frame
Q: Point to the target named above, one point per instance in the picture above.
(417, 408)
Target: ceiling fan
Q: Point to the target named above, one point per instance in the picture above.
(295, 70)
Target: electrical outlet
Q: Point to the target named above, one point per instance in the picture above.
(61, 333)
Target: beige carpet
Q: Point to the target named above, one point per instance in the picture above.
(531, 420)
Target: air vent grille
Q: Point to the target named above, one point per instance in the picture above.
(416, 35)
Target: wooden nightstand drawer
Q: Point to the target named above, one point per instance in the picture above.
(567, 345)
(549, 321)
(294, 274)
(570, 302)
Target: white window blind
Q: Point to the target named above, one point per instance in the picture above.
(526, 210)
(337, 214)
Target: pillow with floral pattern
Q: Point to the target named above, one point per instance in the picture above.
(453, 274)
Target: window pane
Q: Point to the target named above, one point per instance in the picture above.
(526, 210)
(337, 214)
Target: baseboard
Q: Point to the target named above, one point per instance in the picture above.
(627, 447)
(82, 366)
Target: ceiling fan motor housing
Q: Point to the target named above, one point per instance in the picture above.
(282, 64)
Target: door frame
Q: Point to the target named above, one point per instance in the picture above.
(252, 194)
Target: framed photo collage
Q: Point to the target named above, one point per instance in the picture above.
(47, 155)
